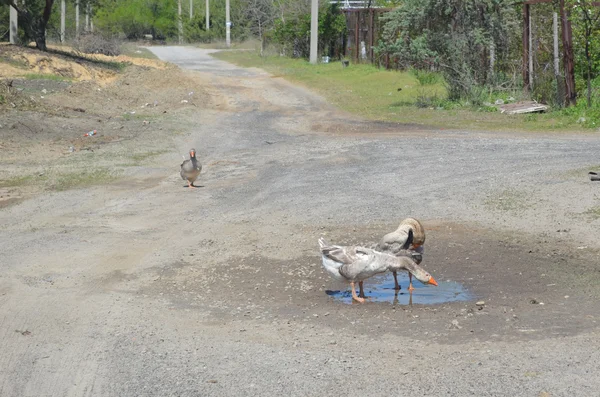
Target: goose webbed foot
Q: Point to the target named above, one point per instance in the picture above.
(354, 296)
(410, 286)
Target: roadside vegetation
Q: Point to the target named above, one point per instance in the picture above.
(449, 64)
(410, 96)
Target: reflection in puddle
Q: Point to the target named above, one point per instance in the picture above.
(381, 289)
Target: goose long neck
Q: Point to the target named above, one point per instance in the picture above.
(396, 263)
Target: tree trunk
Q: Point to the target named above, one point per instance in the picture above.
(260, 36)
(589, 70)
(35, 25)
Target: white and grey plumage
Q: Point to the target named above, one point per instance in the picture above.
(410, 235)
(190, 169)
(353, 264)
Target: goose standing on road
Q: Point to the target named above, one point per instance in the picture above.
(190, 169)
(352, 264)
(409, 229)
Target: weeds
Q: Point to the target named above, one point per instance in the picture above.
(82, 179)
(40, 76)
(425, 77)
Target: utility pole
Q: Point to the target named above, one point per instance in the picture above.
(314, 30)
(191, 9)
(62, 20)
(227, 25)
(14, 25)
(180, 22)
(77, 19)
(87, 17)
(207, 16)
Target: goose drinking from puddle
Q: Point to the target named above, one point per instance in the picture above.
(352, 264)
(190, 169)
(409, 235)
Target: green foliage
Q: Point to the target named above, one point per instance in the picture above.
(135, 18)
(33, 20)
(425, 77)
(454, 37)
(292, 34)
(4, 21)
(195, 29)
(582, 114)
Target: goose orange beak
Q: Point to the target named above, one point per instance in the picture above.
(432, 281)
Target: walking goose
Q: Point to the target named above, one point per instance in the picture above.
(190, 169)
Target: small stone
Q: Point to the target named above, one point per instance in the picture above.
(480, 303)
(455, 324)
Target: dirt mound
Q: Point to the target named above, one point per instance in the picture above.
(67, 63)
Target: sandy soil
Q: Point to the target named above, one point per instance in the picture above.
(139, 286)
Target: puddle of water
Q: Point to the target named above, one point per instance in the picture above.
(381, 289)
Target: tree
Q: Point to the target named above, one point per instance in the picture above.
(260, 15)
(589, 28)
(454, 36)
(34, 15)
(294, 30)
(138, 17)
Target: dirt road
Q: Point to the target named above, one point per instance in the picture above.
(145, 288)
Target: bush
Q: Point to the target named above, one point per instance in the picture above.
(425, 77)
(94, 43)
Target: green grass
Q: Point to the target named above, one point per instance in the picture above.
(85, 178)
(593, 212)
(140, 158)
(374, 94)
(509, 200)
(41, 76)
(135, 51)
(17, 181)
(222, 45)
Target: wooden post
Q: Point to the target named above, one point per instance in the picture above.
(531, 51)
(526, 25)
(77, 19)
(371, 36)
(356, 36)
(492, 58)
(191, 9)
(560, 91)
(555, 38)
(14, 25)
(567, 41)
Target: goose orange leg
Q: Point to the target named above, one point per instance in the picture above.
(410, 287)
(354, 296)
(191, 185)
